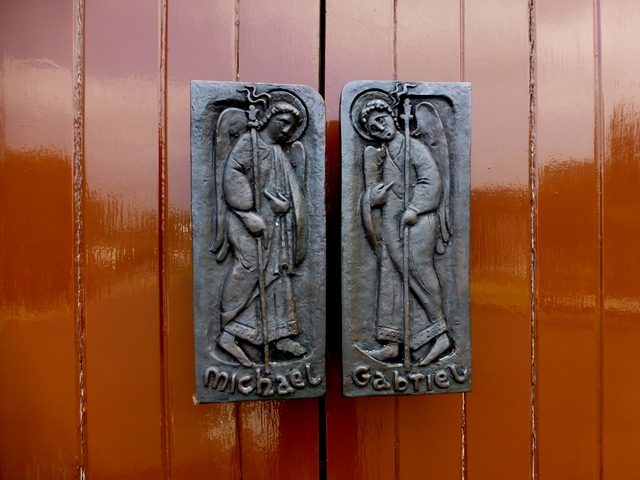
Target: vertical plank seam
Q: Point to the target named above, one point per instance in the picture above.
(238, 416)
(396, 443)
(78, 205)
(396, 405)
(463, 426)
(532, 226)
(323, 47)
(237, 39)
(395, 39)
(599, 152)
(462, 45)
(166, 430)
(237, 405)
(322, 406)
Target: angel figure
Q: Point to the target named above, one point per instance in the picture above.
(261, 218)
(423, 214)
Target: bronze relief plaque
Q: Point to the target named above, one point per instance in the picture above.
(258, 219)
(405, 238)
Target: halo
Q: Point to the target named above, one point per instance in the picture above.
(358, 104)
(293, 100)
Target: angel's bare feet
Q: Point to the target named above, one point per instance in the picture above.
(384, 352)
(441, 344)
(291, 346)
(228, 343)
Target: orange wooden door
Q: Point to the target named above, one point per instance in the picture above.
(96, 353)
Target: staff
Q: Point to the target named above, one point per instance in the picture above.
(406, 116)
(253, 114)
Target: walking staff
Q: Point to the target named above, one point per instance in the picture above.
(406, 116)
(253, 116)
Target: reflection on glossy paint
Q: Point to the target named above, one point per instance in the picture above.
(37, 330)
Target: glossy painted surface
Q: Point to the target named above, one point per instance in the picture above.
(567, 242)
(384, 437)
(263, 439)
(279, 44)
(203, 438)
(431, 32)
(361, 432)
(620, 229)
(123, 369)
(38, 393)
(498, 415)
(136, 279)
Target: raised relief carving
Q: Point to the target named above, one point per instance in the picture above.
(258, 240)
(405, 237)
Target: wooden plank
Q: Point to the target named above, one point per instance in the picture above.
(361, 432)
(38, 357)
(279, 44)
(428, 41)
(567, 245)
(202, 46)
(124, 371)
(619, 49)
(496, 62)
(429, 427)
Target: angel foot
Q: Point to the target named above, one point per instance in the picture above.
(228, 343)
(441, 344)
(384, 352)
(290, 346)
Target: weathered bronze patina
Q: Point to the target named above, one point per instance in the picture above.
(258, 241)
(405, 238)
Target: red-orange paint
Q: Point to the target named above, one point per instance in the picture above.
(38, 358)
(567, 256)
(496, 62)
(123, 341)
(620, 126)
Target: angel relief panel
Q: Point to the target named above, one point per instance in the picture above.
(258, 241)
(405, 238)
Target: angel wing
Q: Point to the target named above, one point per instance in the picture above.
(298, 160)
(232, 123)
(430, 131)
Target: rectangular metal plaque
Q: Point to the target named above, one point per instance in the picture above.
(258, 216)
(405, 238)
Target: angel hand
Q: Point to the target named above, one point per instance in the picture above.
(279, 204)
(378, 194)
(409, 217)
(256, 225)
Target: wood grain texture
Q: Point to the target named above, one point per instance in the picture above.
(620, 76)
(567, 301)
(124, 368)
(496, 62)
(38, 358)
(202, 46)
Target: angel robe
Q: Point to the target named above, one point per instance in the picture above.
(288, 237)
(382, 224)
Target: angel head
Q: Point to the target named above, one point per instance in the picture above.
(378, 120)
(279, 123)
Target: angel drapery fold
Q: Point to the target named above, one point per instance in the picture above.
(288, 234)
(383, 228)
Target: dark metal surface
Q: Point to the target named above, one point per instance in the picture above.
(405, 238)
(258, 241)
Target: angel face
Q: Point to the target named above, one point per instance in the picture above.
(381, 126)
(280, 128)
